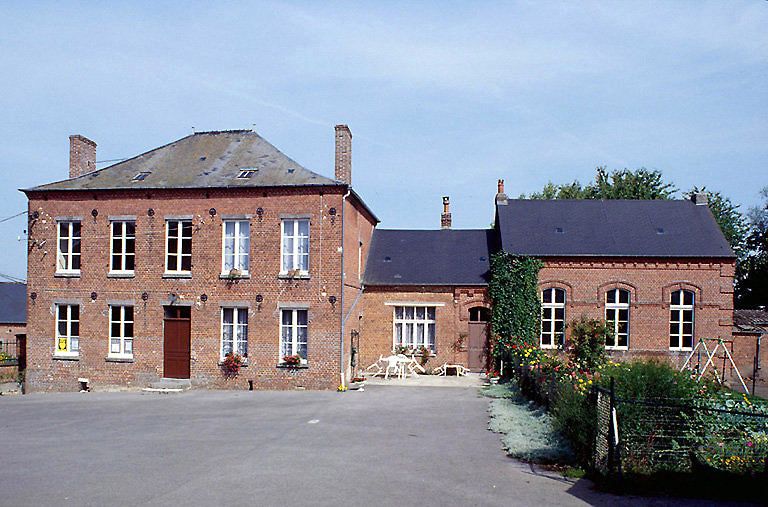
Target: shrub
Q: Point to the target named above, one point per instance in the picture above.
(651, 379)
(574, 416)
(231, 365)
(587, 344)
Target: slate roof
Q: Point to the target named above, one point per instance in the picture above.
(201, 160)
(613, 228)
(429, 257)
(13, 303)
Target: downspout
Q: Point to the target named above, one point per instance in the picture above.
(343, 285)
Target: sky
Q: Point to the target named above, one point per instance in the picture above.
(443, 98)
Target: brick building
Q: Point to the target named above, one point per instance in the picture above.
(13, 323)
(660, 271)
(160, 265)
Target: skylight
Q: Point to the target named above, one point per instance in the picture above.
(246, 173)
(141, 176)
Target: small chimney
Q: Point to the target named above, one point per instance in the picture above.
(82, 156)
(501, 197)
(700, 198)
(445, 218)
(343, 164)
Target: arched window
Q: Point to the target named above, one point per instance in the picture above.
(479, 314)
(552, 318)
(681, 320)
(617, 318)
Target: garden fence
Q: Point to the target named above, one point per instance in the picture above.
(644, 436)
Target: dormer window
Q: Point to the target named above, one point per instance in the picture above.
(246, 173)
(141, 176)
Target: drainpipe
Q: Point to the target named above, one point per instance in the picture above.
(343, 285)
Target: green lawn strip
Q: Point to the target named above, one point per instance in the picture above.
(526, 429)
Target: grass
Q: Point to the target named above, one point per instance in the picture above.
(526, 429)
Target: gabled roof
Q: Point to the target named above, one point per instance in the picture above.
(201, 160)
(13, 303)
(613, 228)
(429, 257)
(751, 321)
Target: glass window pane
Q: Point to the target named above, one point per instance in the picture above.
(287, 317)
(409, 312)
(547, 296)
(398, 312)
(74, 312)
(129, 346)
(624, 296)
(560, 313)
(128, 313)
(288, 227)
(610, 296)
(419, 335)
(128, 329)
(74, 328)
(431, 313)
(75, 229)
(186, 229)
(688, 297)
(431, 336)
(186, 263)
(546, 313)
(399, 334)
(304, 228)
(559, 296)
(687, 341)
(688, 315)
(676, 297)
(130, 229)
(420, 312)
(74, 344)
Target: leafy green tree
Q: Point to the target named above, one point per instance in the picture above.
(752, 273)
(618, 184)
(731, 221)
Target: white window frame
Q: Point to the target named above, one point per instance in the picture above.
(294, 254)
(237, 254)
(678, 310)
(415, 323)
(239, 331)
(67, 258)
(122, 337)
(179, 253)
(294, 329)
(68, 336)
(553, 306)
(123, 253)
(616, 307)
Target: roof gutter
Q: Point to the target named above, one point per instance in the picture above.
(343, 285)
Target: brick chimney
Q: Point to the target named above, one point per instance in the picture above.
(501, 197)
(445, 218)
(82, 156)
(343, 163)
(700, 198)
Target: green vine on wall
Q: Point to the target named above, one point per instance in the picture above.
(516, 315)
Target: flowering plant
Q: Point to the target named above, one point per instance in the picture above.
(231, 364)
(293, 360)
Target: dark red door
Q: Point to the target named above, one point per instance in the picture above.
(176, 334)
(478, 345)
(21, 351)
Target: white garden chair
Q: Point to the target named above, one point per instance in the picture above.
(395, 365)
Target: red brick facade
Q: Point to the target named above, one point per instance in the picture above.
(205, 291)
(585, 282)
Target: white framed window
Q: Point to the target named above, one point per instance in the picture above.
(67, 330)
(293, 333)
(414, 327)
(68, 247)
(178, 246)
(295, 246)
(120, 331)
(617, 318)
(552, 318)
(681, 320)
(236, 246)
(234, 331)
(123, 244)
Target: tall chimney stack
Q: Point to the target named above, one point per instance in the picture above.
(501, 197)
(445, 218)
(343, 163)
(700, 198)
(82, 156)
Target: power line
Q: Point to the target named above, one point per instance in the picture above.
(14, 216)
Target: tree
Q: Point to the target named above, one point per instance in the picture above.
(752, 273)
(619, 184)
(731, 221)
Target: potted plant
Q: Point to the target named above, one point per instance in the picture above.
(294, 360)
(356, 383)
(403, 349)
(231, 364)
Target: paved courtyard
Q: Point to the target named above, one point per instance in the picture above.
(386, 446)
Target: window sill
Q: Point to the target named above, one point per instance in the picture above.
(286, 276)
(117, 359)
(121, 275)
(227, 276)
(62, 274)
(292, 366)
(244, 364)
(616, 349)
(61, 357)
(177, 275)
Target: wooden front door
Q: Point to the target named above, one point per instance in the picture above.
(478, 343)
(176, 342)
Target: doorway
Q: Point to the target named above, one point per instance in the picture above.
(177, 327)
(477, 348)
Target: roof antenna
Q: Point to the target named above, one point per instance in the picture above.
(193, 130)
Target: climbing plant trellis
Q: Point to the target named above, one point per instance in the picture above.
(711, 356)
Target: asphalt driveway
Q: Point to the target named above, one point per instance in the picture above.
(385, 446)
